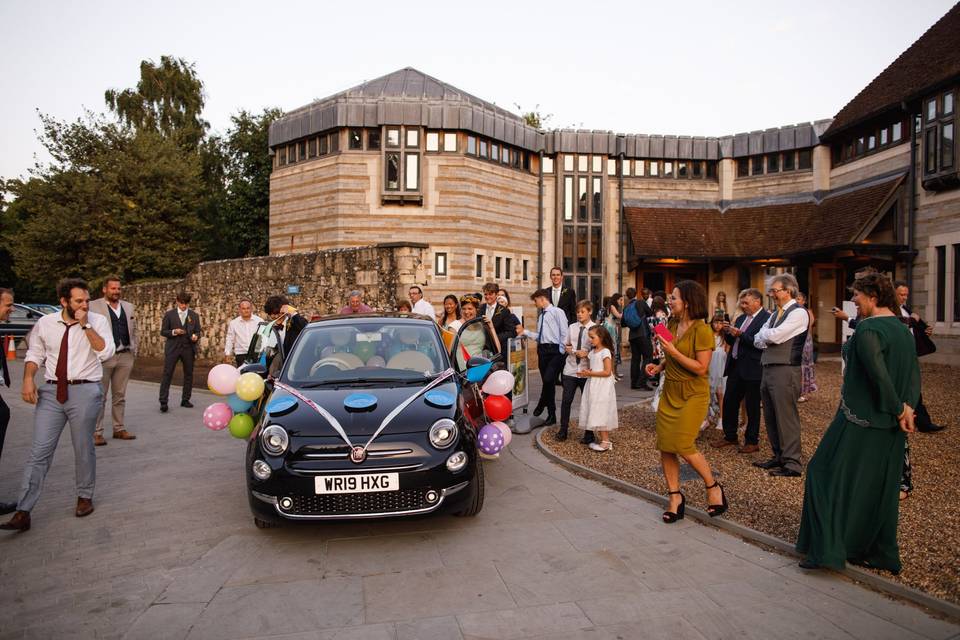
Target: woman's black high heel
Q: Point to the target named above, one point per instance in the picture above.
(669, 516)
(714, 510)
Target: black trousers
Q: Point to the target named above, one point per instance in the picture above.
(571, 384)
(922, 418)
(4, 420)
(739, 390)
(186, 356)
(551, 365)
(641, 354)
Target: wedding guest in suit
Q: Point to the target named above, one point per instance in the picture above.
(116, 370)
(577, 348)
(503, 320)
(6, 306)
(181, 328)
(921, 333)
(782, 339)
(562, 297)
(551, 336)
(240, 331)
(70, 346)
(743, 371)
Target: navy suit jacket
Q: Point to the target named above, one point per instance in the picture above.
(747, 362)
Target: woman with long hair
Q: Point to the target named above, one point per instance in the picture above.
(475, 340)
(686, 396)
(806, 364)
(851, 494)
(450, 318)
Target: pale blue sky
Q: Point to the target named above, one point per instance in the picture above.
(691, 68)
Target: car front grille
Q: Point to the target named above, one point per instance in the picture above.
(359, 503)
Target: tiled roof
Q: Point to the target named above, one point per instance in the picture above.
(932, 59)
(774, 230)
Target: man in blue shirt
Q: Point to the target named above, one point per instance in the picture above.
(551, 336)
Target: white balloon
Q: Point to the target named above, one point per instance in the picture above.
(499, 383)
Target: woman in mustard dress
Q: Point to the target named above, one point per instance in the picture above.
(686, 396)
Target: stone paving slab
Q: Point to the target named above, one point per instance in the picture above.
(171, 552)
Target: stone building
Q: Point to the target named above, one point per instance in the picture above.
(409, 158)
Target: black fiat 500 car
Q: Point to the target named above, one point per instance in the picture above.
(368, 418)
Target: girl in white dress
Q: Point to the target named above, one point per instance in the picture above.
(598, 403)
(718, 382)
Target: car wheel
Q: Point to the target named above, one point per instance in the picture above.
(265, 524)
(475, 501)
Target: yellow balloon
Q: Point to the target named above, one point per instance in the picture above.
(249, 387)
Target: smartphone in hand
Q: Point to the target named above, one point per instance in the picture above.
(664, 333)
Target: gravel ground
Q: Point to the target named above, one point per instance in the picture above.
(929, 528)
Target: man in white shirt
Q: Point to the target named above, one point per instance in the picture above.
(562, 297)
(71, 347)
(239, 333)
(577, 347)
(782, 339)
(420, 305)
(551, 336)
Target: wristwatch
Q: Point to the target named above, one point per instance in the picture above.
(86, 326)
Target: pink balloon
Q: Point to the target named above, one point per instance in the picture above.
(217, 416)
(505, 430)
(222, 379)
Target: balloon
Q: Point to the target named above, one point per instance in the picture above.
(238, 405)
(504, 431)
(222, 379)
(500, 383)
(497, 407)
(477, 372)
(241, 426)
(364, 350)
(490, 440)
(217, 416)
(326, 351)
(250, 387)
(376, 361)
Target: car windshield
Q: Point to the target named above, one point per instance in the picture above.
(378, 350)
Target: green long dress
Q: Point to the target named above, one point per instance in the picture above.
(851, 498)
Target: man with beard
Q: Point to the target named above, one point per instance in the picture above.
(71, 347)
(116, 370)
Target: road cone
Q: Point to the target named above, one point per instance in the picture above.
(11, 348)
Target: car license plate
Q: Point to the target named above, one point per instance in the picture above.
(357, 483)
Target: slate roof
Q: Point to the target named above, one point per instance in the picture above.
(930, 61)
(779, 230)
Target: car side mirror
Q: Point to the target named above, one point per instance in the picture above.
(254, 367)
(477, 368)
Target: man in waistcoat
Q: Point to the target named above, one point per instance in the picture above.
(116, 370)
(781, 338)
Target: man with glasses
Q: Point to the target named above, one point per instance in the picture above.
(781, 339)
(420, 305)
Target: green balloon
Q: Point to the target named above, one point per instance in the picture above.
(364, 350)
(240, 426)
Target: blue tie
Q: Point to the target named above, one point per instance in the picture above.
(543, 318)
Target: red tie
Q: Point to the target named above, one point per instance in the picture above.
(62, 367)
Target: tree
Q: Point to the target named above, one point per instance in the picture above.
(534, 118)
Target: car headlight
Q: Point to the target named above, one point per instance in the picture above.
(457, 461)
(261, 470)
(274, 440)
(443, 433)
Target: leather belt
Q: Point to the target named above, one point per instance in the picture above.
(76, 382)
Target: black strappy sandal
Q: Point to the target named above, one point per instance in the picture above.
(714, 510)
(669, 516)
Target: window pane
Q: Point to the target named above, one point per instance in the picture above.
(283, 156)
(583, 163)
(947, 103)
(871, 142)
(393, 137)
(334, 142)
(568, 163)
(449, 141)
(392, 178)
(639, 166)
(483, 149)
(413, 138)
(433, 141)
(506, 268)
(946, 146)
(654, 168)
(495, 152)
(292, 153)
(682, 169)
(302, 147)
(712, 169)
(612, 166)
(804, 159)
(596, 250)
(930, 142)
(547, 164)
(597, 199)
(516, 159)
(373, 139)
(355, 139)
(526, 269)
(581, 287)
(568, 248)
(581, 250)
(897, 132)
(860, 146)
(596, 292)
(582, 199)
(931, 109)
(667, 169)
(773, 163)
(697, 169)
(743, 167)
(412, 172)
(597, 164)
(440, 264)
(312, 148)
(568, 198)
(941, 283)
(497, 263)
(884, 136)
(323, 145)
(471, 145)
(505, 155)
(479, 268)
(788, 158)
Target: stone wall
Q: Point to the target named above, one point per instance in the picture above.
(383, 272)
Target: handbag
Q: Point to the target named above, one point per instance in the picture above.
(925, 346)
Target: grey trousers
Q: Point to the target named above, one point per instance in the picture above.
(116, 373)
(81, 410)
(780, 390)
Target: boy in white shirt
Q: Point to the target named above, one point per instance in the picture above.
(577, 348)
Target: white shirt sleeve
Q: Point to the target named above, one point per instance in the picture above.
(35, 351)
(231, 337)
(100, 325)
(795, 324)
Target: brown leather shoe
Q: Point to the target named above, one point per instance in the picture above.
(84, 507)
(98, 440)
(721, 443)
(749, 448)
(19, 522)
(123, 434)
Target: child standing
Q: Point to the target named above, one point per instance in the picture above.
(718, 382)
(598, 402)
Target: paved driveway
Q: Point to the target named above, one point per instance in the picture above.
(171, 552)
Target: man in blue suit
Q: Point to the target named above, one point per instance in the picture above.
(743, 371)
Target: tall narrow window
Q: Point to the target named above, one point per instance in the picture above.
(667, 169)
(392, 177)
(312, 148)
(292, 153)
(597, 204)
(712, 169)
(497, 263)
(568, 163)
(743, 167)
(596, 249)
(788, 161)
(483, 148)
(581, 248)
(682, 169)
(506, 268)
(948, 103)
(639, 166)
(433, 141)
(930, 142)
(373, 139)
(932, 109)
(757, 165)
(941, 283)
(884, 136)
(773, 163)
(583, 164)
(526, 270)
(804, 159)
(567, 248)
(479, 268)
(582, 199)
(871, 142)
(946, 146)
(440, 264)
(393, 138)
(411, 181)
(896, 132)
(697, 167)
(568, 197)
(612, 166)
(471, 145)
(597, 164)
(547, 164)
(282, 156)
(302, 150)
(355, 139)
(495, 152)
(450, 141)
(654, 168)
(413, 138)
(334, 142)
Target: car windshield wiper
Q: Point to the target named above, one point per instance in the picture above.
(360, 381)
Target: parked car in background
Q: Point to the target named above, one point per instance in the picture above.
(21, 321)
(43, 307)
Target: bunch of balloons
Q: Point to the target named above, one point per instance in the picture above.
(241, 391)
(495, 436)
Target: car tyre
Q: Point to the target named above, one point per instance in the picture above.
(265, 524)
(475, 500)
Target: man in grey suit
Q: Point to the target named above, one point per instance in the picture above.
(116, 370)
(181, 328)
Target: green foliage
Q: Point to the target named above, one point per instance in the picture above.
(534, 118)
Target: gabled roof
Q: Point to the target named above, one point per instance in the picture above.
(765, 231)
(930, 61)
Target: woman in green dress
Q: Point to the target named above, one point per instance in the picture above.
(851, 497)
(686, 396)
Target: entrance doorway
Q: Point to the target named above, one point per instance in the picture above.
(826, 292)
(664, 278)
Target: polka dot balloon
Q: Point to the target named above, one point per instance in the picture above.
(490, 440)
(217, 416)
